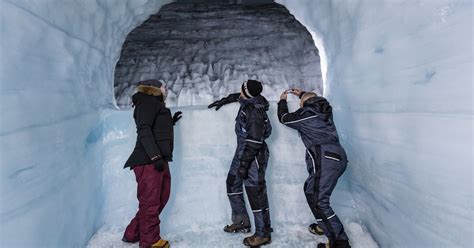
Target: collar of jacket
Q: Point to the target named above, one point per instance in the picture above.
(259, 102)
(318, 104)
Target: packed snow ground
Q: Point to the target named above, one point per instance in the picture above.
(198, 208)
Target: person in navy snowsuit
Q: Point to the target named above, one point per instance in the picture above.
(326, 160)
(249, 164)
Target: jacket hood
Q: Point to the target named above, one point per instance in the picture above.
(319, 104)
(146, 93)
(150, 90)
(259, 102)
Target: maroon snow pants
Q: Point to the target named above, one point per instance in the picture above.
(153, 193)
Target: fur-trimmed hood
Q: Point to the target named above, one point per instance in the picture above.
(147, 93)
(150, 90)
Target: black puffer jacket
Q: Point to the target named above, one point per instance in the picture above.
(154, 127)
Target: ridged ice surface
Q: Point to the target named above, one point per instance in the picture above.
(204, 51)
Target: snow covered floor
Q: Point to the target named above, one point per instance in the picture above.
(285, 235)
(199, 208)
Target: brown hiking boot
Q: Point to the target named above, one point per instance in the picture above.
(315, 229)
(161, 244)
(257, 241)
(237, 228)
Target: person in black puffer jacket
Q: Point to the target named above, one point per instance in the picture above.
(326, 160)
(149, 161)
(248, 167)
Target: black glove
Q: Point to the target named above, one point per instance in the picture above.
(226, 100)
(243, 170)
(217, 104)
(159, 164)
(176, 117)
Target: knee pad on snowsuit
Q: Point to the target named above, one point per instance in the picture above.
(257, 197)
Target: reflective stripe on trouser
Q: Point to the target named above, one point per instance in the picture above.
(324, 171)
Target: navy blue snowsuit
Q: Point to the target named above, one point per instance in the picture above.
(326, 159)
(252, 127)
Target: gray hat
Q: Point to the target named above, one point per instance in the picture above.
(151, 82)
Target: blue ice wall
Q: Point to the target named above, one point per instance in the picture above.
(57, 61)
(400, 77)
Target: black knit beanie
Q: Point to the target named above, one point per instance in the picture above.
(252, 88)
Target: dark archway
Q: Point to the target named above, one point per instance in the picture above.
(205, 50)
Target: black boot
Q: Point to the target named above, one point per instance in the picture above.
(237, 228)
(342, 244)
(337, 244)
(323, 245)
(240, 224)
(315, 229)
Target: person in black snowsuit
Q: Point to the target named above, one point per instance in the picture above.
(326, 160)
(249, 164)
(149, 161)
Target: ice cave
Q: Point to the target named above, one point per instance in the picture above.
(398, 73)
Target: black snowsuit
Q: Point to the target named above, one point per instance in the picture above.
(154, 130)
(325, 159)
(252, 127)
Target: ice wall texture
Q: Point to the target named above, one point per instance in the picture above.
(205, 51)
(56, 73)
(400, 79)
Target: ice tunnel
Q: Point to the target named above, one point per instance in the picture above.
(398, 74)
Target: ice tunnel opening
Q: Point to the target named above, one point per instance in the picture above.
(147, 53)
(409, 137)
(203, 50)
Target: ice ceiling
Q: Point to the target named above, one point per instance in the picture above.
(409, 137)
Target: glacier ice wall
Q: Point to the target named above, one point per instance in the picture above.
(57, 62)
(398, 74)
(203, 51)
(400, 77)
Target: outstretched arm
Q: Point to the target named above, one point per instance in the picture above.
(226, 100)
